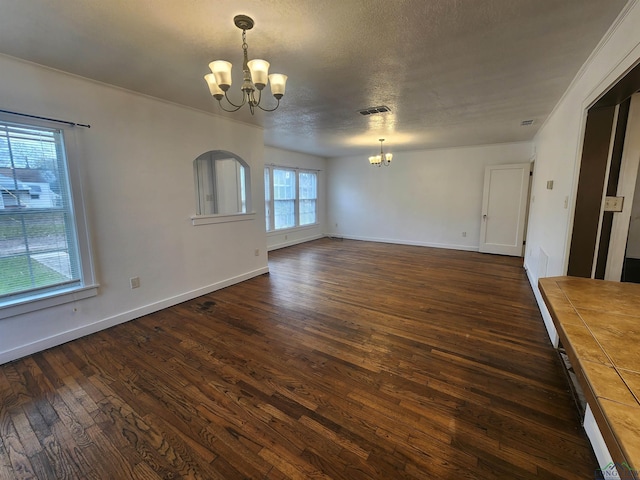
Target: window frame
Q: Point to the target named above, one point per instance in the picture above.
(270, 198)
(29, 301)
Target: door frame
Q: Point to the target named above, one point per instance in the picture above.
(626, 189)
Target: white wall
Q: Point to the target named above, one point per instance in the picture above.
(633, 241)
(286, 158)
(139, 190)
(426, 197)
(559, 148)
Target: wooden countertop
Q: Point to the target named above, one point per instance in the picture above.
(599, 326)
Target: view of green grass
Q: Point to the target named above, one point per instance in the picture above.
(15, 275)
(36, 225)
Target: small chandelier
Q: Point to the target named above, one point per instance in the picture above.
(256, 76)
(382, 158)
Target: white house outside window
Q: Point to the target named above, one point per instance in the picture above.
(291, 197)
(41, 253)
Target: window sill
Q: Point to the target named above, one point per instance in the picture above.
(40, 302)
(209, 219)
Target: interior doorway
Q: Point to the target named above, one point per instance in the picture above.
(624, 197)
(605, 241)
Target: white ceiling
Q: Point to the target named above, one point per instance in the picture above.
(453, 72)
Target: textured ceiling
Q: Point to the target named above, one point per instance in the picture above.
(453, 72)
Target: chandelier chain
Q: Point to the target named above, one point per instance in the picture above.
(244, 40)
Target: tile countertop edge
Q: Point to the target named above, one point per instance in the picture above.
(624, 445)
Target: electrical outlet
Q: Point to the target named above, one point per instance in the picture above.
(257, 252)
(464, 234)
(286, 237)
(134, 282)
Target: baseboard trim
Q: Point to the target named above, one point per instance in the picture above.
(64, 337)
(295, 242)
(546, 316)
(449, 246)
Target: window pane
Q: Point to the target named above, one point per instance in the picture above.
(284, 195)
(307, 212)
(308, 197)
(308, 185)
(38, 248)
(284, 213)
(284, 183)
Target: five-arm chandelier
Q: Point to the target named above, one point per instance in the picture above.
(255, 72)
(382, 158)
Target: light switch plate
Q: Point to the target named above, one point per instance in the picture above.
(613, 204)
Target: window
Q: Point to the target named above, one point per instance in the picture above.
(308, 197)
(41, 252)
(284, 198)
(290, 197)
(222, 180)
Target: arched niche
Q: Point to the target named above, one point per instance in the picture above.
(223, 184)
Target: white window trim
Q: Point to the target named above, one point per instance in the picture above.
(297, 171)
(42, 301)
(197, 220)
(280, 231)
(88, 287)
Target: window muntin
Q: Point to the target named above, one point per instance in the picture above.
(291, 197)
(39, 251)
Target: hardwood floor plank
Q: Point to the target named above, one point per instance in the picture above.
(350, 360)
(21, 467)
(334, 437)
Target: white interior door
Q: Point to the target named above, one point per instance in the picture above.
(626, 189)
(504, 206)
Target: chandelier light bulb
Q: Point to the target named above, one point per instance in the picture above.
(222, 72)
(214, 88)
(259, 72)
(278, 84)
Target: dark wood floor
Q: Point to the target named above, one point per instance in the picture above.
(351, 360)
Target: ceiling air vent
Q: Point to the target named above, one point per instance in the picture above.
(526, 123)
(374, 110)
